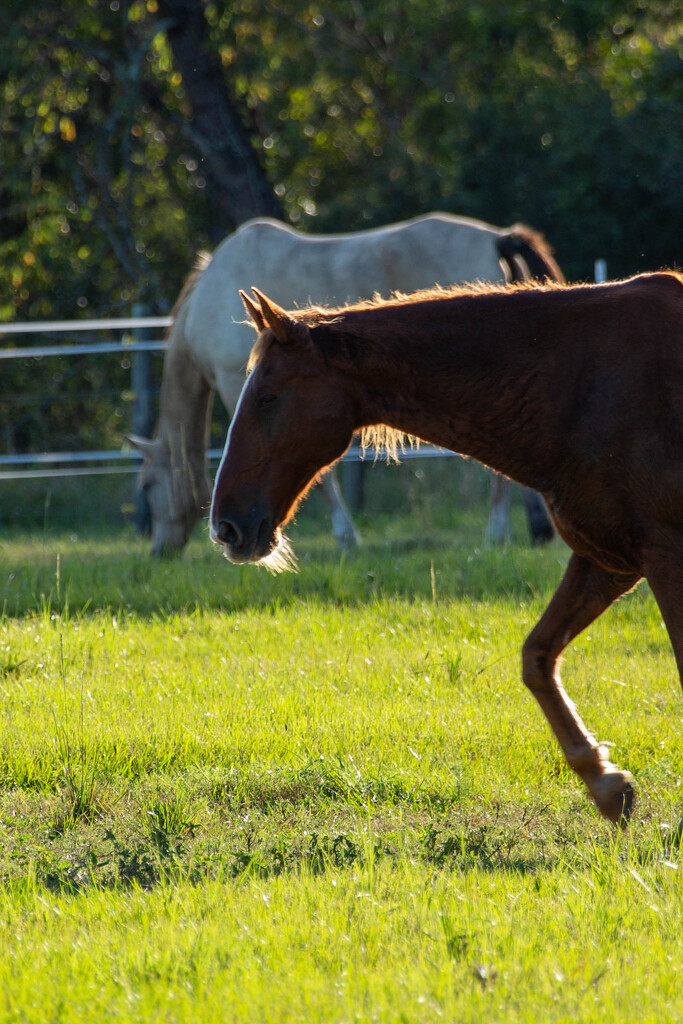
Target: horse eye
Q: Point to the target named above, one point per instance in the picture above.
(265, 399)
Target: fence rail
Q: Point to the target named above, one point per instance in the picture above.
(53, 459)
(36, 465)
(94, 348)
(107, 324)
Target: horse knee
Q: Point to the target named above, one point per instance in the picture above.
(537, 666)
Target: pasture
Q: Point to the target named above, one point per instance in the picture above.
(325, 796)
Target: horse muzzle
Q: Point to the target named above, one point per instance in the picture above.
(244, 538)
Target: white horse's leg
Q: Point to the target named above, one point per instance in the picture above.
(498, 529)
(343, 530)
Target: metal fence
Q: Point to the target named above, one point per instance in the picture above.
(135, 343)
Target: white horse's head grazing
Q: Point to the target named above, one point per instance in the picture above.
(177, 489)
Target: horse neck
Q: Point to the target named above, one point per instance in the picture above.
(462, 377)
(185, 398)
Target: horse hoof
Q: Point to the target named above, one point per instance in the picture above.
(542, 535)
(628, 797)
(348, 542)
(616, 797)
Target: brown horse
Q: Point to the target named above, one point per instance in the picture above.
(209, 343)
(576, 392)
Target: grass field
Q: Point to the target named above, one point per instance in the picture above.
(325, 796)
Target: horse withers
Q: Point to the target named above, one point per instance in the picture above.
(209, 342)
(576, 392)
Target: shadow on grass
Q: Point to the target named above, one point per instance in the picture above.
(115, 575)
(306, 821)
(162, 857)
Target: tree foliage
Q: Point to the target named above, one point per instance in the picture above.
(122, 156)
(559, 114)
(101, 189)
(564, 115)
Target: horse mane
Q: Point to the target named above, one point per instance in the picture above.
(202, 261)
(319, 316)
(380, 436)
(386, 440)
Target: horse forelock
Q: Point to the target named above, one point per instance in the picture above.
(263, 342)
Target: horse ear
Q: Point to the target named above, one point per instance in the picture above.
(286, 330)
(253, 311)
(145, 445)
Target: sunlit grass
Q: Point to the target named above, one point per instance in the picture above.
(388, 941)
(325, 796)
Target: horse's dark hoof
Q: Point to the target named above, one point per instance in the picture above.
(628, 798)
(615, 796)
(676, 838)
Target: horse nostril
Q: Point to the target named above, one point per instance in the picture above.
(227, 532)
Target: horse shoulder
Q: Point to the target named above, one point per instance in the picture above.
(655, 309)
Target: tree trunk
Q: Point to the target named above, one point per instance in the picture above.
(236, 184)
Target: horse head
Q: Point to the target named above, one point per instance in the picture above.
(294, 418)
(177, 491)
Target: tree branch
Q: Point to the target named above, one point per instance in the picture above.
(238, 188)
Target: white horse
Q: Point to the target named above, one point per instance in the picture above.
(209, 342)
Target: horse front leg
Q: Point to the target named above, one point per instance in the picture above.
(663, 567)
(343, 530)
(583, 594)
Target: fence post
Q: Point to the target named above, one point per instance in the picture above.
(143, 412)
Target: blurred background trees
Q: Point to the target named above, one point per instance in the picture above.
(136, 131)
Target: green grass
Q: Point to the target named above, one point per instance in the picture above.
(325, 796)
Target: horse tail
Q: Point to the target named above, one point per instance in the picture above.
(528, 255)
